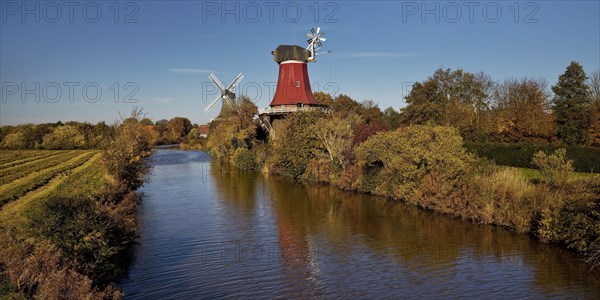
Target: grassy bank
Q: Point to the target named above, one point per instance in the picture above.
(67, 218)
(427, 166)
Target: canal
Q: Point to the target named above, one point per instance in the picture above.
(210, 232)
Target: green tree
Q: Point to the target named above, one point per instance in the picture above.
(572, 104)
(391, 117)
(449, 98)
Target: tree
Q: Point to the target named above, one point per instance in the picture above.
(324, 99)
(595, 85)
(392, 118)
(370, 112)
(234, 130)
(335, 136)
(450, 98)
(14, 141)
(593, 132)
(64, 137)
(298, 144)
(146, 122)
(424, 105)
(178, 127)
(572, 104)
(523, 109)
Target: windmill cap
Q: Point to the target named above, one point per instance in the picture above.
(290, 52)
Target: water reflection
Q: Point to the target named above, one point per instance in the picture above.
(240, 234)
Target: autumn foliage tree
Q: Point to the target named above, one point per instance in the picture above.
(125, 157)
(523, 110)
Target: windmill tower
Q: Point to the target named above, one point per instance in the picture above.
(227, 95)
(293, 92)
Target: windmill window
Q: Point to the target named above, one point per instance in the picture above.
(297, 83)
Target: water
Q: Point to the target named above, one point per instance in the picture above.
(210, 232)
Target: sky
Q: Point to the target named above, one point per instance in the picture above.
(95, 60)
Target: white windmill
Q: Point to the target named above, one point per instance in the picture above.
(315, 37)
(227, 95)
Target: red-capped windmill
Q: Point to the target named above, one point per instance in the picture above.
(293, 92)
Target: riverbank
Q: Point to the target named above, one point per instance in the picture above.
(427, 166)
(69, 217)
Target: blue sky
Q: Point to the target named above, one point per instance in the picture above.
(160, 53)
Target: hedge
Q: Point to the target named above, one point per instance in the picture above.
(585, 159)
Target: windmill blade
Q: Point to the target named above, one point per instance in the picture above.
(308, 35)
(237, 80)
(206, 109)
(319, 43)
(312, 30)
(318, 29)
(322, 39)
(216, 81)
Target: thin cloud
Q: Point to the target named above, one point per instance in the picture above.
(191, 71)
(381, 54)
(163, 100)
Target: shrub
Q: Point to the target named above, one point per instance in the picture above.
(576, 220)
(84, 232)
(298, 144)
(555, 168)
(63, 138)
(244, 159)
(124, 157)
(394, 163)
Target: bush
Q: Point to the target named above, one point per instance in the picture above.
(394, 163)
(576, 220)
(64, 138)
(555, 168)
(83, 232)
(125, 156)
(244, 159)
(297, 144)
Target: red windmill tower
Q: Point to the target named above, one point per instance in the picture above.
(293, 92)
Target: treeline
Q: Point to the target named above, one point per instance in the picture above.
(515, 110)
(72, 241)
(417, 154)
(83, 135)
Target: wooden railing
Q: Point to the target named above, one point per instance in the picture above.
(290, 109)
